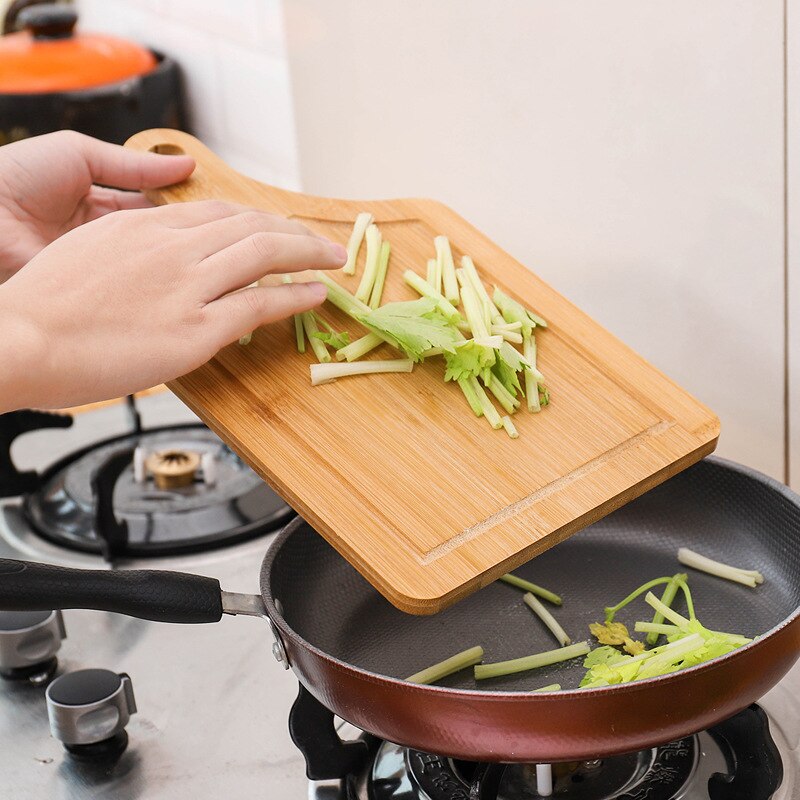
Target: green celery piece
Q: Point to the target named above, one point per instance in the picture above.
(431, 272)
(518, 311)
(299, 333)
(493, 314)
(531, 382)
(667, 599)
(669, 614)
(335, 340)
(505, 398)
(552, 687)
(521, 583)
(246, 339)
(311, 329)
(445, 266)
(472, 397)
(413, 326)
(373, 237)
(657, 628)
(331, 337)
(354, 242)
(422, 287)
(601, 655)
(473, 309)
(359, 348)
(380, 278)
(483, 671)
(489, 411)
(341, 298)
(510, 428)
(610, 611)
(469, 359)
(544, 396)
(459, 661)
(507, 364)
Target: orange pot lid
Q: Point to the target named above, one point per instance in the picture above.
(49, 57)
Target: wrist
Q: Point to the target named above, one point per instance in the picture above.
(21, 350)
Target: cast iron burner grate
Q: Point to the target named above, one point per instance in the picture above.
(735, 760)
(127, 496)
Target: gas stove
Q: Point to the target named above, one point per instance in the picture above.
(198, 711)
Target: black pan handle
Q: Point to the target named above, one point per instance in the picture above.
(148, 594)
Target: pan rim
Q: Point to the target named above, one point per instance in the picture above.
(518, 696)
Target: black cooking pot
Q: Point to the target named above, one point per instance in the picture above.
(54, 77)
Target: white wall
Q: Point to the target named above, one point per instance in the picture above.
(793, 240)
(234, 62)
(630, 152)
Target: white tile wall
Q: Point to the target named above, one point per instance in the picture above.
(234, 63)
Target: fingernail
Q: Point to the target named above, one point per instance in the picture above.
(339, 250)
(317, 290)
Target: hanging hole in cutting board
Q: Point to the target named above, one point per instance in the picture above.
(168, 150)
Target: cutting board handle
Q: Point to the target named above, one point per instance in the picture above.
(212, 176)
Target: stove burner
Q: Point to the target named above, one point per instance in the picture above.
(658, 774)
(174, 508)
(173, 469)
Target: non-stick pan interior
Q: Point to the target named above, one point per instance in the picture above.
(720, 510)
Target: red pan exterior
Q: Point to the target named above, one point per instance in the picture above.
(559, 726)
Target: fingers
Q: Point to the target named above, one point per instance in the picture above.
(236, 314)
(104, 201)
(113, 165)
(221, 233)
(261, 254)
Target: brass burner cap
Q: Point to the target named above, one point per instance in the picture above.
(173, 469)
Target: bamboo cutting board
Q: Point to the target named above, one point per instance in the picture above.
(423, 498)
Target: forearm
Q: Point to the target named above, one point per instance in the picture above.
(20, 357)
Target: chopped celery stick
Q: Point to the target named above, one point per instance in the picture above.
(426, 290)
(324, 373)
(490, 309)
(473, 309)
(506, 400)
(359, 348)
(341, 298)
(747, 577)
(472, 397)
(363, 220)
(311, 329)
(446, 267)
(447, 667)
(437, 276)
(535, 605)
(507, 326)
(553, 687)
(510, 429)
(483, 671)
(508, 336)
(658, 628)
(667, 599)
(489, 411)
(380, 278)
(521, 583)
(610, 611)
(430, 275)
(373, 237)
(413, 326)
(507, 364)
(532, 392)
(299, 333)
(671, 655)
(512, 311)
(673, 616)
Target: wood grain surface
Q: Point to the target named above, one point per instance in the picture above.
(424, 499)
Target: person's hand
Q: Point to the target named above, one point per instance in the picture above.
(139, 297)
(48, 187)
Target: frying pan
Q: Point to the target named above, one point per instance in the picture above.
(351, 648)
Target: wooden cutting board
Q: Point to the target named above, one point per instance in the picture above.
(423, 498)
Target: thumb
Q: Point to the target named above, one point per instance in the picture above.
(114, 165)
